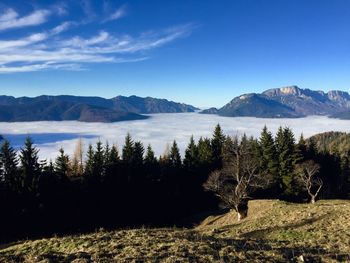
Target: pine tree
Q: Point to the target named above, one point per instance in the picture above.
(111, 163)
(217, 143)
(137, 157)
(51, 182)
(191, 160)
(300, 150)
(151, 164)
(62, 167)
(279, 140)
(30, 168)
(89, 164)
(107, 154)
(205, 153)
(114, 155)
(301, 147)
(268, 154)
(229, 148)
(285, 145)
(150, 158)
(174, 156)
(244, 141)
(311, 148)
(98, 162)
(128, 150)
(111, 155)
(9, 162)
(49, 168)
(254, 148)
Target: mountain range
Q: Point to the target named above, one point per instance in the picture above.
(287, 102)
(88, 109)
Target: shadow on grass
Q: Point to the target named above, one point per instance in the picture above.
(193, 221)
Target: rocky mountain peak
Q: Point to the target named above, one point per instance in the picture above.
(284, 91)
(289, 101)
(246, 96)
(292, 90)
(338, 94)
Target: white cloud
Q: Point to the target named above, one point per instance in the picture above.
(117, 14)
(40, 52)
(60, 9)
(162, 129)
(38, 67)
(9, 44)
(128, 44)
(80, 42)
(10, 19)
(8, 15)
(49, 49)
(61, 28)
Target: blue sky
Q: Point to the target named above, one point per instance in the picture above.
(199, 52)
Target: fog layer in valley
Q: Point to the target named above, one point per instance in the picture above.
(160, 130)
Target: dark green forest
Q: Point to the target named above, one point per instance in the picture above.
(105, 187)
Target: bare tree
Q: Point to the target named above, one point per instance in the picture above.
(307, 176)
(77, 165)
(241, 175)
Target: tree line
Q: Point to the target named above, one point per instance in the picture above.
(105, 187)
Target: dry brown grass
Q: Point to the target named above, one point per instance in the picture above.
(274, 231)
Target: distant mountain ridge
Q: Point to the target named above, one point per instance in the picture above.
(149, 105)
(287, 102)
(88, 109)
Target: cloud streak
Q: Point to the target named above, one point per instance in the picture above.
(61, 28)
(117, 14)
(10, 44)
(10, 19)
(48, 50)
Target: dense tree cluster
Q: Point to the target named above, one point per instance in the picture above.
(105, 187)
(282, 156)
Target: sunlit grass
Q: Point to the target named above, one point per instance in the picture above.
(274, 231)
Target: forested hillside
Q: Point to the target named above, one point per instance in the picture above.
(332, 142)
(111, 187)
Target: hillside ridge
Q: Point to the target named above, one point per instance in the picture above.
(87, 109)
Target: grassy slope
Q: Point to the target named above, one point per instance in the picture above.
(274, 231)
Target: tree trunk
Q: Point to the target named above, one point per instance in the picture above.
(241, 215)
(242, 211)
(313, 199)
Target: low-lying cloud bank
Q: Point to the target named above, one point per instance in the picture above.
(162, 129)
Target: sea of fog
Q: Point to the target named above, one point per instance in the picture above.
(159, 130)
